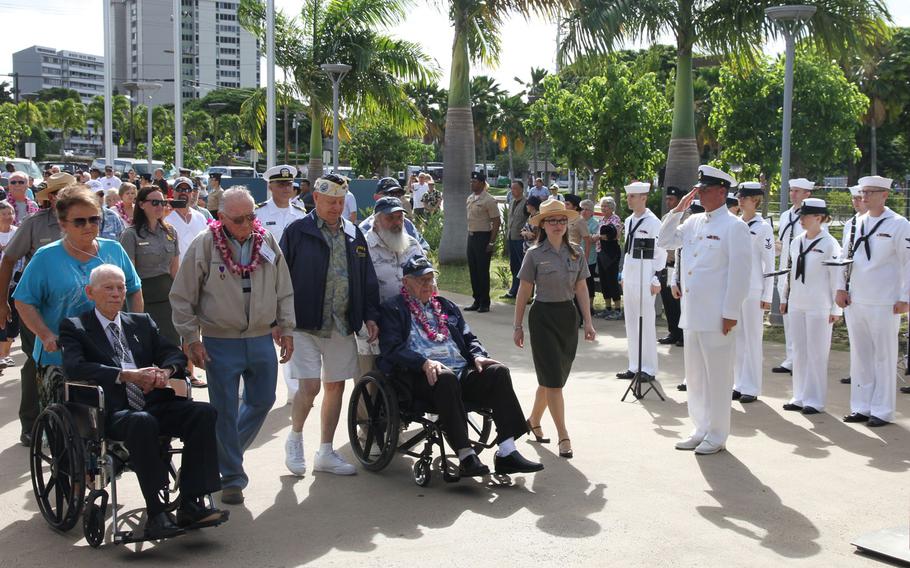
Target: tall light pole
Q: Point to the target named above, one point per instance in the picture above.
(178, 86)
(336, 72)
(270, 82)
(108, 86)
(790, 20)
(28, 98)
(147, 89)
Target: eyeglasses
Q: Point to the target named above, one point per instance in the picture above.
(240, 220)
(866, 192)
(16, 182)
(553, 221)
(80, 222)
(156, 202)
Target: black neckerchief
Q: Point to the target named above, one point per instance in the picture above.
(864, 238)
(801, 259)
(631, 235)
(794, 218)
(852, 223)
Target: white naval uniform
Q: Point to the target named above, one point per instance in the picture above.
(788, 229)
(876, 284)
(810, 301)
(715, 286)
(633, 271)
(846, 243)
(276, 219)
(747, 372)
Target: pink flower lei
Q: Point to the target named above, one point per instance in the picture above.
(121, 210)
(441, 332)
(30, 208)
(227, 255)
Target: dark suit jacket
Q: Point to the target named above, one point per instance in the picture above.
(88, 355)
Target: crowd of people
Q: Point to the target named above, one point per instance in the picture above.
(211, 280)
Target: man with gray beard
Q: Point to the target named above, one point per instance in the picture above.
(390, 248)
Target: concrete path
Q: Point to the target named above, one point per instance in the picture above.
(790, 490)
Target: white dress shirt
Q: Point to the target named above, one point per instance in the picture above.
(882, 280)
(762, 253)
(186, 230)
(646, 226)
(126, 365)
(817, 292)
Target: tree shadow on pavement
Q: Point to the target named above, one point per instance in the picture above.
(749, 508)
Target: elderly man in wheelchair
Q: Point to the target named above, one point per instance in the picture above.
(124, 354)
(429, 354)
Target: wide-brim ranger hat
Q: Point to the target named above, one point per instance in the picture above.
(552, 208)
(814, 206)
(750, 189)
(53, 184)
(710, 176)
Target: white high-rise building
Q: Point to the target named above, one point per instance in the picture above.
(45, 67)
(216, 51)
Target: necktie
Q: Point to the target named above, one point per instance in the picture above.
(134, 396)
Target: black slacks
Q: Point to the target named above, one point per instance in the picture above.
(194, 423)
(671, 306)
(491, 388)
(479, 266)
(29, 405)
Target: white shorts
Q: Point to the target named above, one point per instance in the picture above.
(332, 359)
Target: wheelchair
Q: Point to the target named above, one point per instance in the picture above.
(71, 455)
(377, 424)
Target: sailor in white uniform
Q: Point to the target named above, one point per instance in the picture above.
(876, 288)
(640, 283)
(846, 243)
(715, 286)
(747, 373)
(808, 297)
(787, 230)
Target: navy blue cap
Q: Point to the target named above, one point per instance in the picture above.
(388, 185)
(387, 205)
(417, 266)
(479, 176)
(675, 192)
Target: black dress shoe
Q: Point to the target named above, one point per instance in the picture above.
(793, 407)
(645, 377)
(26, 439)
(747, 398)
(515, 463)
(682, 387)
(471, 466)
(161, 526)
(472, 308)
(810, 410)
(483, 309)
(856, 417)
(845, 381)
(680, 343)
(625, 375)
(737, 395)
(193, 514)
(781, 369)
(668, 340)
(875, 422)
(905, 390)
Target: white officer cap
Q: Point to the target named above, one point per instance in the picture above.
(281, 172)
(638, 187)
(877, 182)
(708, 176)
(856, 191)
(802, 183)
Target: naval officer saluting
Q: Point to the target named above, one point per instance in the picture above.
(876, 288)
(715, 284)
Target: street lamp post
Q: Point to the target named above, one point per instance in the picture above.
(336, 72)
(270, 82)
(28, 97)
(790, 20)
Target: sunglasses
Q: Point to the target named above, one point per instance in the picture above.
(156, 202)
(552, 221)
(16, 182)
(240, 220)
(80, 222)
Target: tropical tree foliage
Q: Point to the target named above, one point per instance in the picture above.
(380, 150)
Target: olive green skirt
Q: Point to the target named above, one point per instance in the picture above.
(554, 338)
(155, 291)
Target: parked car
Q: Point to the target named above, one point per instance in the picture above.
(24, 165)
(232, 171)
(123, 165)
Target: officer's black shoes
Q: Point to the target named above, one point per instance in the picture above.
(471, 466)
(794, 407)
(905, 390)
(856, 417)
(625, 375)
(483, 309)
(737, 395)
(781, 369)
(473, 307)
(747, 398)
(515, 463)
(845, 381)
(682, 387)
(669, 340)
(810, 410)
(875, 422)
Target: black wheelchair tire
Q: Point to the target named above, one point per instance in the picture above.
(382, 418)
(63, 462)
(93, 524)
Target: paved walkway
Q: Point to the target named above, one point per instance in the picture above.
(790, 490)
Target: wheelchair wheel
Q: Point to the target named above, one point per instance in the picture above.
(422, 473)
(93, 518)
(480, 424)
(373, 421)
(58, 467)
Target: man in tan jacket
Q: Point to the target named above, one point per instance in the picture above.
(231, 298)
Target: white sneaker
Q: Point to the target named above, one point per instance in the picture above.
(707, 448)
(689, 443)
(333, 463)
(293, 455)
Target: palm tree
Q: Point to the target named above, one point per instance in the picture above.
(533, 91)
(197, 124)
(67, 115)
(120, 115)
(430, 101)
(476, 24)
(485, 97)
(509, 123)
(719, 27)
(345, 31)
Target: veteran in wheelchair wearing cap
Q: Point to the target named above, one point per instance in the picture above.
(429, 351)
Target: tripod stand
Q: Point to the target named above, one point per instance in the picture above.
(642, 249)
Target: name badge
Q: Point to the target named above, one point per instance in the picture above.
(267, 253)
(143, 244)
(271, 223)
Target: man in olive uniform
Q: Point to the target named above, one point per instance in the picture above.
(483, 227)
(34, 232)
(215, 193)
